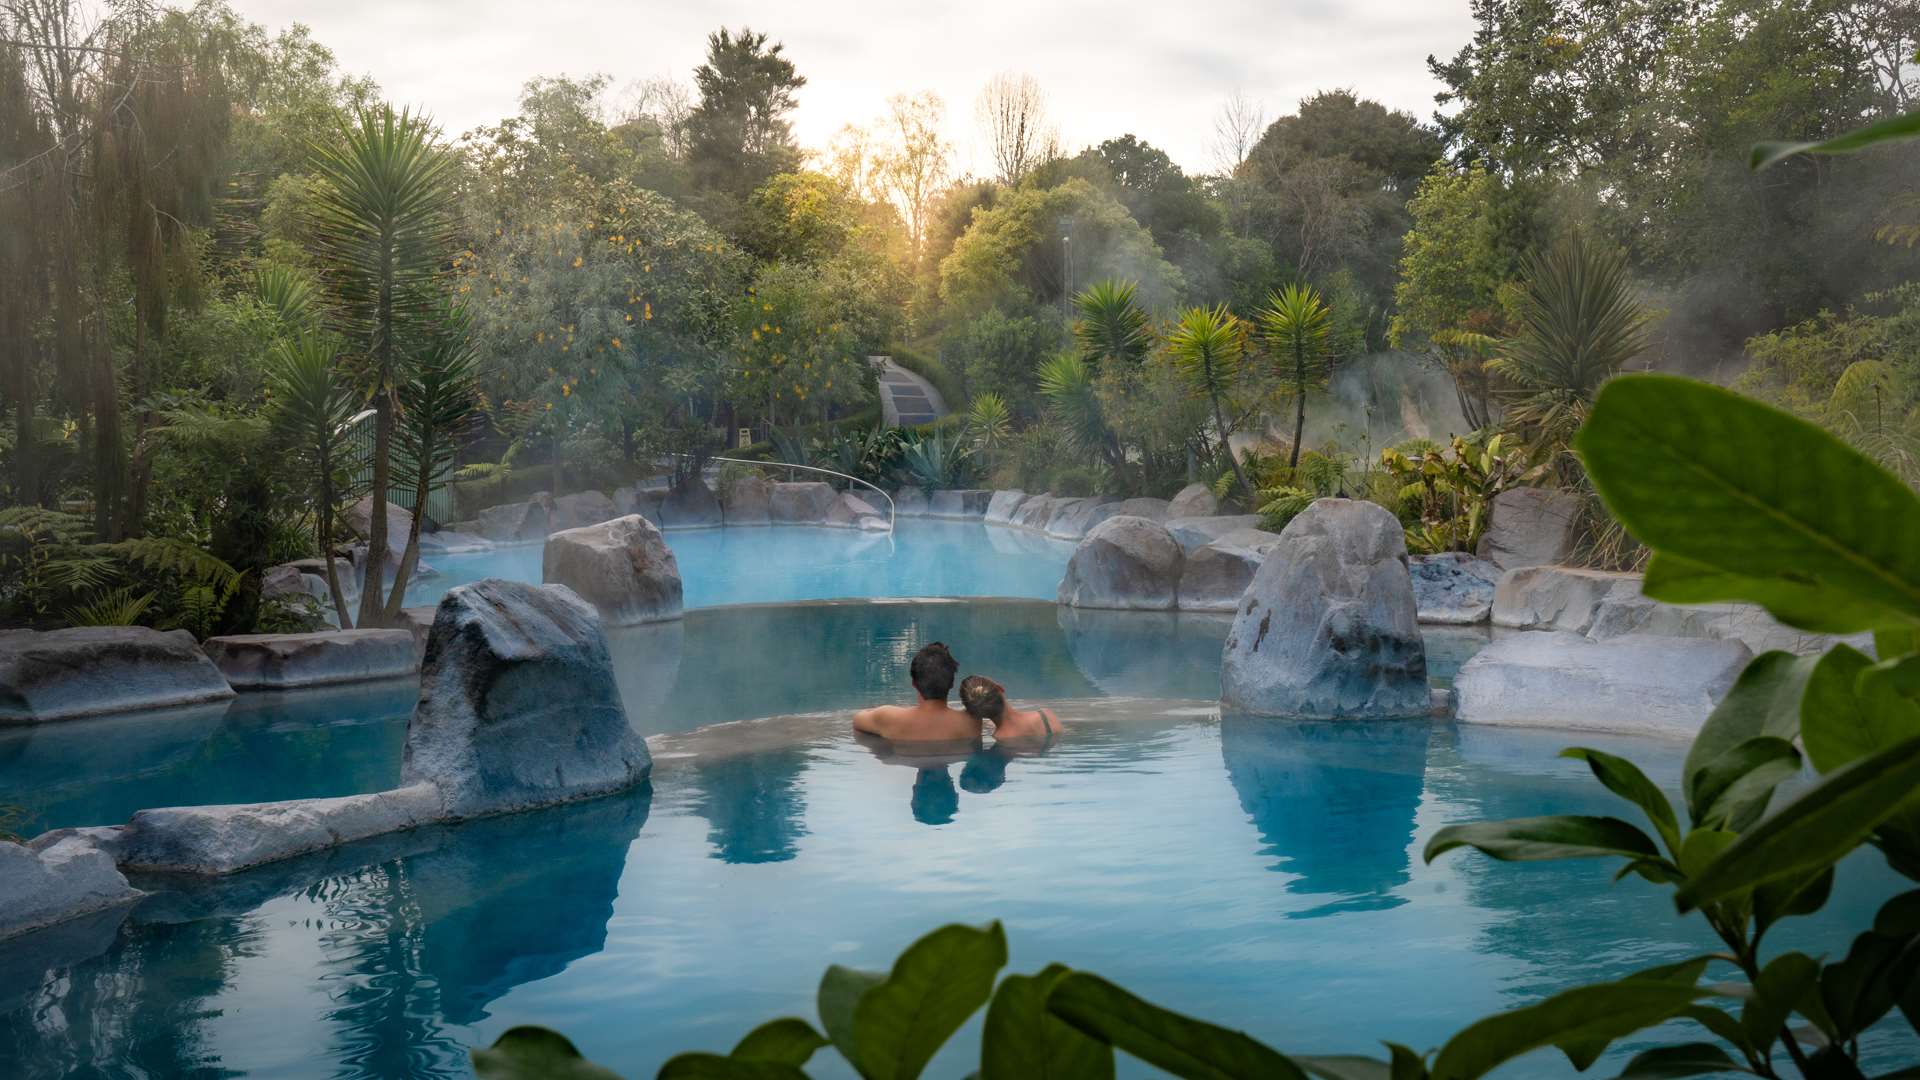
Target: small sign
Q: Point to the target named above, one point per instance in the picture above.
(746, 437)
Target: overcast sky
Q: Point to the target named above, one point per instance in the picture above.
(1160, 71)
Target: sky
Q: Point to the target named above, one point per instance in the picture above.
(1160, 71)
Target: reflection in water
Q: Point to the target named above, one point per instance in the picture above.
(985, 770)
(1334, 800)
(403, 935)
(753, 805)
(935, 800)
(1161, 654)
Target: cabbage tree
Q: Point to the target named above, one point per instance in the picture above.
(313, 409)
(1206, 346)
(1298, 327)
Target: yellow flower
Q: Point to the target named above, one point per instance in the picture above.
(616, 343)
(540, 337)
(629, 316)
(577, 260)
(566, 389)
(647, 312)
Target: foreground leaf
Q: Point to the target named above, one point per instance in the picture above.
(1624, 778)
(1905, 126)
(1582, 1022)
(1805, 604)
(715, 1067)
(534, 1053)
(1565, 836)
(1734, 788)
(1023, 1041)
(1764, 701)
(890, 1026)
(1814, 831)
(1687, 1059)
(1846, 715)
(1185, 1047)
(789, 1040)
(1784, 985)
(1701, 473)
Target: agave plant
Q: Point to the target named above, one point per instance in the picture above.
(933, 463)
(1206, 346)
(1579, 326)
(383, 226)
(313, 410)
(1298, 327)
(989, 422)
(1111, 323)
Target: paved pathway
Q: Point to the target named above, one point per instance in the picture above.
(907, 399)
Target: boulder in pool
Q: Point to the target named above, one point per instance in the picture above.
(691, 505)
(622, 567)
(1033, 513)
(1074, 518)
(224, 839)
(1553, 597)
(1197, 532)
(1327, 628)
(58, 877)
(580, 508)
(90, 670)
(642, 500)
(1529, 527)
(910, 501)
(1636, 684)
(1217, 575)
(748, 500)
(518, 705)
(514, 522)
(965, 503)
(1002, 506)
(850, 511)
(286, 661)
(1453, 588)
(802, 502)
(1125, 563)
(1194, 500)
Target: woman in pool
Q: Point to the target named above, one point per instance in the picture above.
(985, 699)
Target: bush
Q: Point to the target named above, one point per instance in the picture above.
(999, 353)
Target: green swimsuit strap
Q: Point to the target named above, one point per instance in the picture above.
(1046, 722)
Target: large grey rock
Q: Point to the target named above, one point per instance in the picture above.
(223, 839)
(910, 501)
(1327, 628)
(642, 500)
(747, 501)
(622, 567)
(1002, 506)
(1636, 684)
(1126, 563)
(89, 670)
(418, 622)
(580, 508)
(692, 505)
(1074, 518)
(802, 502)
(963, 503)
(1151, 509)
(64, 879)
(359, 521)
(282, 661)
(1529, 527)
(518, 704)
(1552, 597)
(1194, 500)
(1453, 587)
(850, 511)
(1034, 513)
(1198, 532)
(1217, 575)
(515, 522)
(283, 581)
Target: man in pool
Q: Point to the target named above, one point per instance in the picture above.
(930, 719)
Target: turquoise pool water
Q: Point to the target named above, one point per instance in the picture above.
(714, 666)
(790, 562)
(1263, 874)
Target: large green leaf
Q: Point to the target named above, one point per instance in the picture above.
(790, 1040)
(1845, 716)
(1624, 778)
(1802, 895)
(1764, 701)
(1686, 1059)
(1565, 836)
(890, 1026)
(1185, 1047)
(1813, 831)
(1702, 474)
(534, 1053)
(1582, 1022)
(1023, 1041)
(1807, 605)
(1904, 126)
(1784, 985)
(715, 1067)
(1736, 786)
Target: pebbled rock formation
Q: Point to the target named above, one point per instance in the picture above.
(1453, 587)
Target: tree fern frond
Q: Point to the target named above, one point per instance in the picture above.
(121, 607)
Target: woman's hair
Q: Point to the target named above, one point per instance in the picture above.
(982, 698)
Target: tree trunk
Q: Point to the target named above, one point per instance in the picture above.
(325, 528)
(1226, 446)
(1299, 402)
(372, 593)
(422, 488)
(26, 482)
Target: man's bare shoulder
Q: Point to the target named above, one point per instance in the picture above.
(881, 719)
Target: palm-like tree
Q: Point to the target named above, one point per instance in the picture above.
(1066, 381)
(438, 393)
(1579, 325)
(1206, 346)
(1298, 327)
(383, 230)
(312, 409)
(1111, 324)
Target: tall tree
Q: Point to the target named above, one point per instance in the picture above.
(383, 226)
(1013, 110)
(738, 134)
(1206, 345)
(913, 167)
(1298, 327)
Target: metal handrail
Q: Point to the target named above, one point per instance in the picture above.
(809, 468)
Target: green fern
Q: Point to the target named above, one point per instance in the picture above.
(78, 572)
(35, 524)
(1281, 505)
(121, 607)
(185, 561)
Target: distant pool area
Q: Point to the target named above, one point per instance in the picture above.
(781, 563)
